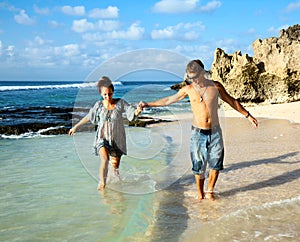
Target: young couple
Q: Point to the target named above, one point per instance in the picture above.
(206, 144)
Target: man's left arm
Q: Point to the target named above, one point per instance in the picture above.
(235, 104)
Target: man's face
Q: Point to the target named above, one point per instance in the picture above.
(193, 77)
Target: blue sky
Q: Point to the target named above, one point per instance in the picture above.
(66, 40)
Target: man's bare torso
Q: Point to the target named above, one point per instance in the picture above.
(204, 104)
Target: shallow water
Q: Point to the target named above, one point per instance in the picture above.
(47, 193)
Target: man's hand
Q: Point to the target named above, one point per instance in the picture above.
(253, 121)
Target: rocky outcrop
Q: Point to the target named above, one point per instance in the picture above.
(52, 121)
(272, 75)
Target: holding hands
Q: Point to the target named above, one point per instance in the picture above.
(143, 104)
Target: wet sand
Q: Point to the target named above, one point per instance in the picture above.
(262, 167)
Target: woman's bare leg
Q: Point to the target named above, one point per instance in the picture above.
(115, 161)
(103, 169)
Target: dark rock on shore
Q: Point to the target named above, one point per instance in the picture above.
(52, 121)
(179, 85)
(144, 121)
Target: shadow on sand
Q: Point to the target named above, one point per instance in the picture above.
(272, 182)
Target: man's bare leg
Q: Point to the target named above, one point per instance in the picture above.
(200, 187)
(212, 179)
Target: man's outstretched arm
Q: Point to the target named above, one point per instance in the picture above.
(181, 94)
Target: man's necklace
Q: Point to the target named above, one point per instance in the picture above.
(201, 95)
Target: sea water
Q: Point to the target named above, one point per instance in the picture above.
(48, 183)
(47, 192)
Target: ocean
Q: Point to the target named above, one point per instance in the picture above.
(49, 179)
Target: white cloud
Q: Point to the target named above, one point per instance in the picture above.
(69, 50)
(49, 56)
(76, 11)
(203, 52)
(107, 25)
(109, 12)
(10, 50)
(184, 6)
(292, 7)
(39, 40)
(23, 18)
(181, 31)
(82, 25)
(54, 24)
(42, 11)
(134, 32)
(228, 45)
(210, 6)
(175, 6)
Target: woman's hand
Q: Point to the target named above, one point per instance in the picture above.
(138, 111)
(72, 131)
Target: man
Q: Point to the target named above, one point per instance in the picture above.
(206, 140)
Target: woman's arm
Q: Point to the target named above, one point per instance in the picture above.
(81, 122)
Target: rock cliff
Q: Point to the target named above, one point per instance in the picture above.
(272, 75)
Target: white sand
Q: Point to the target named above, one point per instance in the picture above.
(289, 111)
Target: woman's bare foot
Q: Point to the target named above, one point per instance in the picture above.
(101, 186)
(116, 172)
(210, 195)
(200, 196)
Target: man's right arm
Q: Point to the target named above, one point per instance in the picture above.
(181, 94)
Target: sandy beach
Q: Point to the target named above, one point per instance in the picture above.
(260, 178)
(289, 111)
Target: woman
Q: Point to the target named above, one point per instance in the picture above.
(110, 140)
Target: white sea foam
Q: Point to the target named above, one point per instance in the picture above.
(58, 86)
(31, 134)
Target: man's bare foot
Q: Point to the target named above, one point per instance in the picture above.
(210, 195)
(100, 187)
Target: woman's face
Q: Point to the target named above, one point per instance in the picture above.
(107, 93)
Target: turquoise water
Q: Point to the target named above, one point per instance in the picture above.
(46, 194)
(49, 194)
